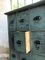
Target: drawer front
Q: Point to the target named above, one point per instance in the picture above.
(22, 21)
(37, 18)
(38, 42)
(38, 57)
(24, 56)
(12, 22)
(19, 41)
(14, 55)
(11, 40)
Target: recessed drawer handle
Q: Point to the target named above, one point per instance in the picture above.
(37, 42)
(21, 20)
(37, 18)
(23, 58)
(19, 42)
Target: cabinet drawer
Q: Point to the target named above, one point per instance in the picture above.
(37, 18)
(12, 22)
(38, 57)
(22, 21)
(38, 42)
(22, 42)
(11, 40)
(14, 55)
(24, 56)
(19, 42)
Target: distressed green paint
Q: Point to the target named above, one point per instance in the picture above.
(12, 22)
(21, 46)
(39, 24)
(22, 26)
(40, 47)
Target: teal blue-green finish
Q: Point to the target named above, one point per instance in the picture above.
(17, 25)
(25, 56)
(32, 19)
(14, 55)
(22, 26)
(12, 22)
(38, 36)
(38, 24)
(38, 57)
(11, 41)
(20, 36)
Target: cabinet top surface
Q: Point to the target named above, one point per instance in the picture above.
(34, 5)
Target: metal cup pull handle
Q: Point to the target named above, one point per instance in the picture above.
(18, 42)
(37, 44)
(21, 20)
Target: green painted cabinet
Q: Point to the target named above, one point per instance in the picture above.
(29, 19)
